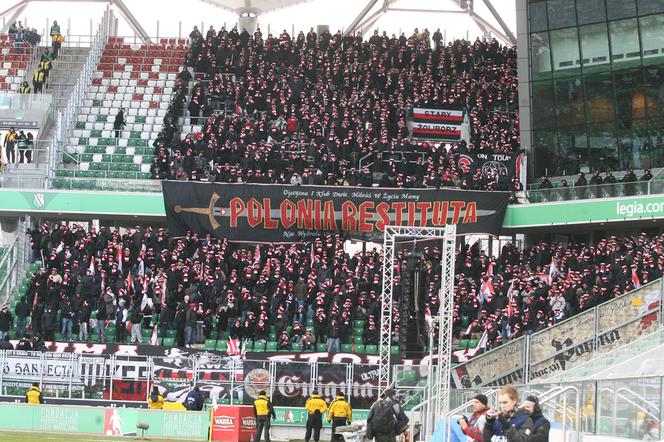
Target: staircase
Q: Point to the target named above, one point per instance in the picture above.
(65, 73)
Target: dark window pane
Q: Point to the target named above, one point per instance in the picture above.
(600, 100)
(544, 104)
(537, 16)
(569, 101)
(654, 90)
(652, 38)
(574, 148)
(620, 9)
(547, 158)
(650, 6)
(590, 11)
(630, 102)
(603, 143)
(561, 13)
(541, 55)
(625, 47)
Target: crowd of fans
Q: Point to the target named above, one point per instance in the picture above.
(306, 293)
(332, 109)
(20, 34)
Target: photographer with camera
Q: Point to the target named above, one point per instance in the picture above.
(511, 424)
(473, 427)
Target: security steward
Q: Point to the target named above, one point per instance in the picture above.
(263, 410)
(315, 407)
(340, 414)
(156, 399)
(34, 395)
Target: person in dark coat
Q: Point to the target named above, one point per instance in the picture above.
(512, 423)
(119, 122)
(49, 324)
(22, 312)
(180, 323)
(541, 425)
(194, 400)
(6, 321)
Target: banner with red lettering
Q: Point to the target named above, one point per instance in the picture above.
(283, 213)
(436, 123)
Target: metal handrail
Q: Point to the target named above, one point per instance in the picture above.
(6, 284)
(67, 118)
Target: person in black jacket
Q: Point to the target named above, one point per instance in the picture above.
(180, 322)
(22, 312)
(84, 313)
(119, 123)
(49, 324)
(194, 400)
(541, 425)
(511, 424)
(5, 344)
(6, 321)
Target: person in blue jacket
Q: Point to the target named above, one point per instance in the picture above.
(511, 424)
(194, 400)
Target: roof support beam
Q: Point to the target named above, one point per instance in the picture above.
(17, 9)
(500, 21)
(492, 28)
(133, 22)
(360, 17)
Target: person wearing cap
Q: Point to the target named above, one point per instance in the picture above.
(34, 395)
(541, 425)
(340, 414)
(263, 410)
(474, 426)
(386, 419)
(171, 403)
(315, 407)
(156, 399)
(6, 321)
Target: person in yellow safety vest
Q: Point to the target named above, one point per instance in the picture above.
(340, 414)
(156, 400)
(315, 407)
(25, 88)
(172, 403)
(263, 410)
(45, 65)
(38, 80)
(34, 395)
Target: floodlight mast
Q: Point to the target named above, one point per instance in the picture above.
(444, 320)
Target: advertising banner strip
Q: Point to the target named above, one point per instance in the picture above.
(281, 213)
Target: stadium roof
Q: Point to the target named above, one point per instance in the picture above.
(258, 7)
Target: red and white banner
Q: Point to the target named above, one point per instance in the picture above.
(436, 124)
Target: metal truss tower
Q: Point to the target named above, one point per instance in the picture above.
(444, 320)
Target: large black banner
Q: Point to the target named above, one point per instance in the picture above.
(509, 164)
(281, 213)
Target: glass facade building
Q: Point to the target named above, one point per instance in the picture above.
(596, 85)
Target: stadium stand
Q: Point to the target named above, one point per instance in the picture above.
(261, 110)
(14, 61)
(138, 79)
(258, 293)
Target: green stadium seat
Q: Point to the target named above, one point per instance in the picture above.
(259, 346)
(102, 118)
(168, 342)
(358, 324)
(271, 346)
(359, 348)
(297, 347)
(394, 350)
(472, 343)
(210, 344)
(96, 133)
(372, 349)
(222, 345)
(80, 125)
(346, 348)
(321, 347)
(358, 340)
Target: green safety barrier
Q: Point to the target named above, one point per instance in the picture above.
(297, 416)
(104, 421)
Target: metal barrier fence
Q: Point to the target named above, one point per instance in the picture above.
(8, 263)
(224, 379)
(568, 344)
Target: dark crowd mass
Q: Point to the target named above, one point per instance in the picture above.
(332, 110)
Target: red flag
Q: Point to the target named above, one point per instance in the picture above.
(154, 340)
(118, 257)
(635, 279)
(92, 265)
(489, 270)
(130, 283)
(486, 291)
(257, 257)
(553, 270)
(233, 347)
